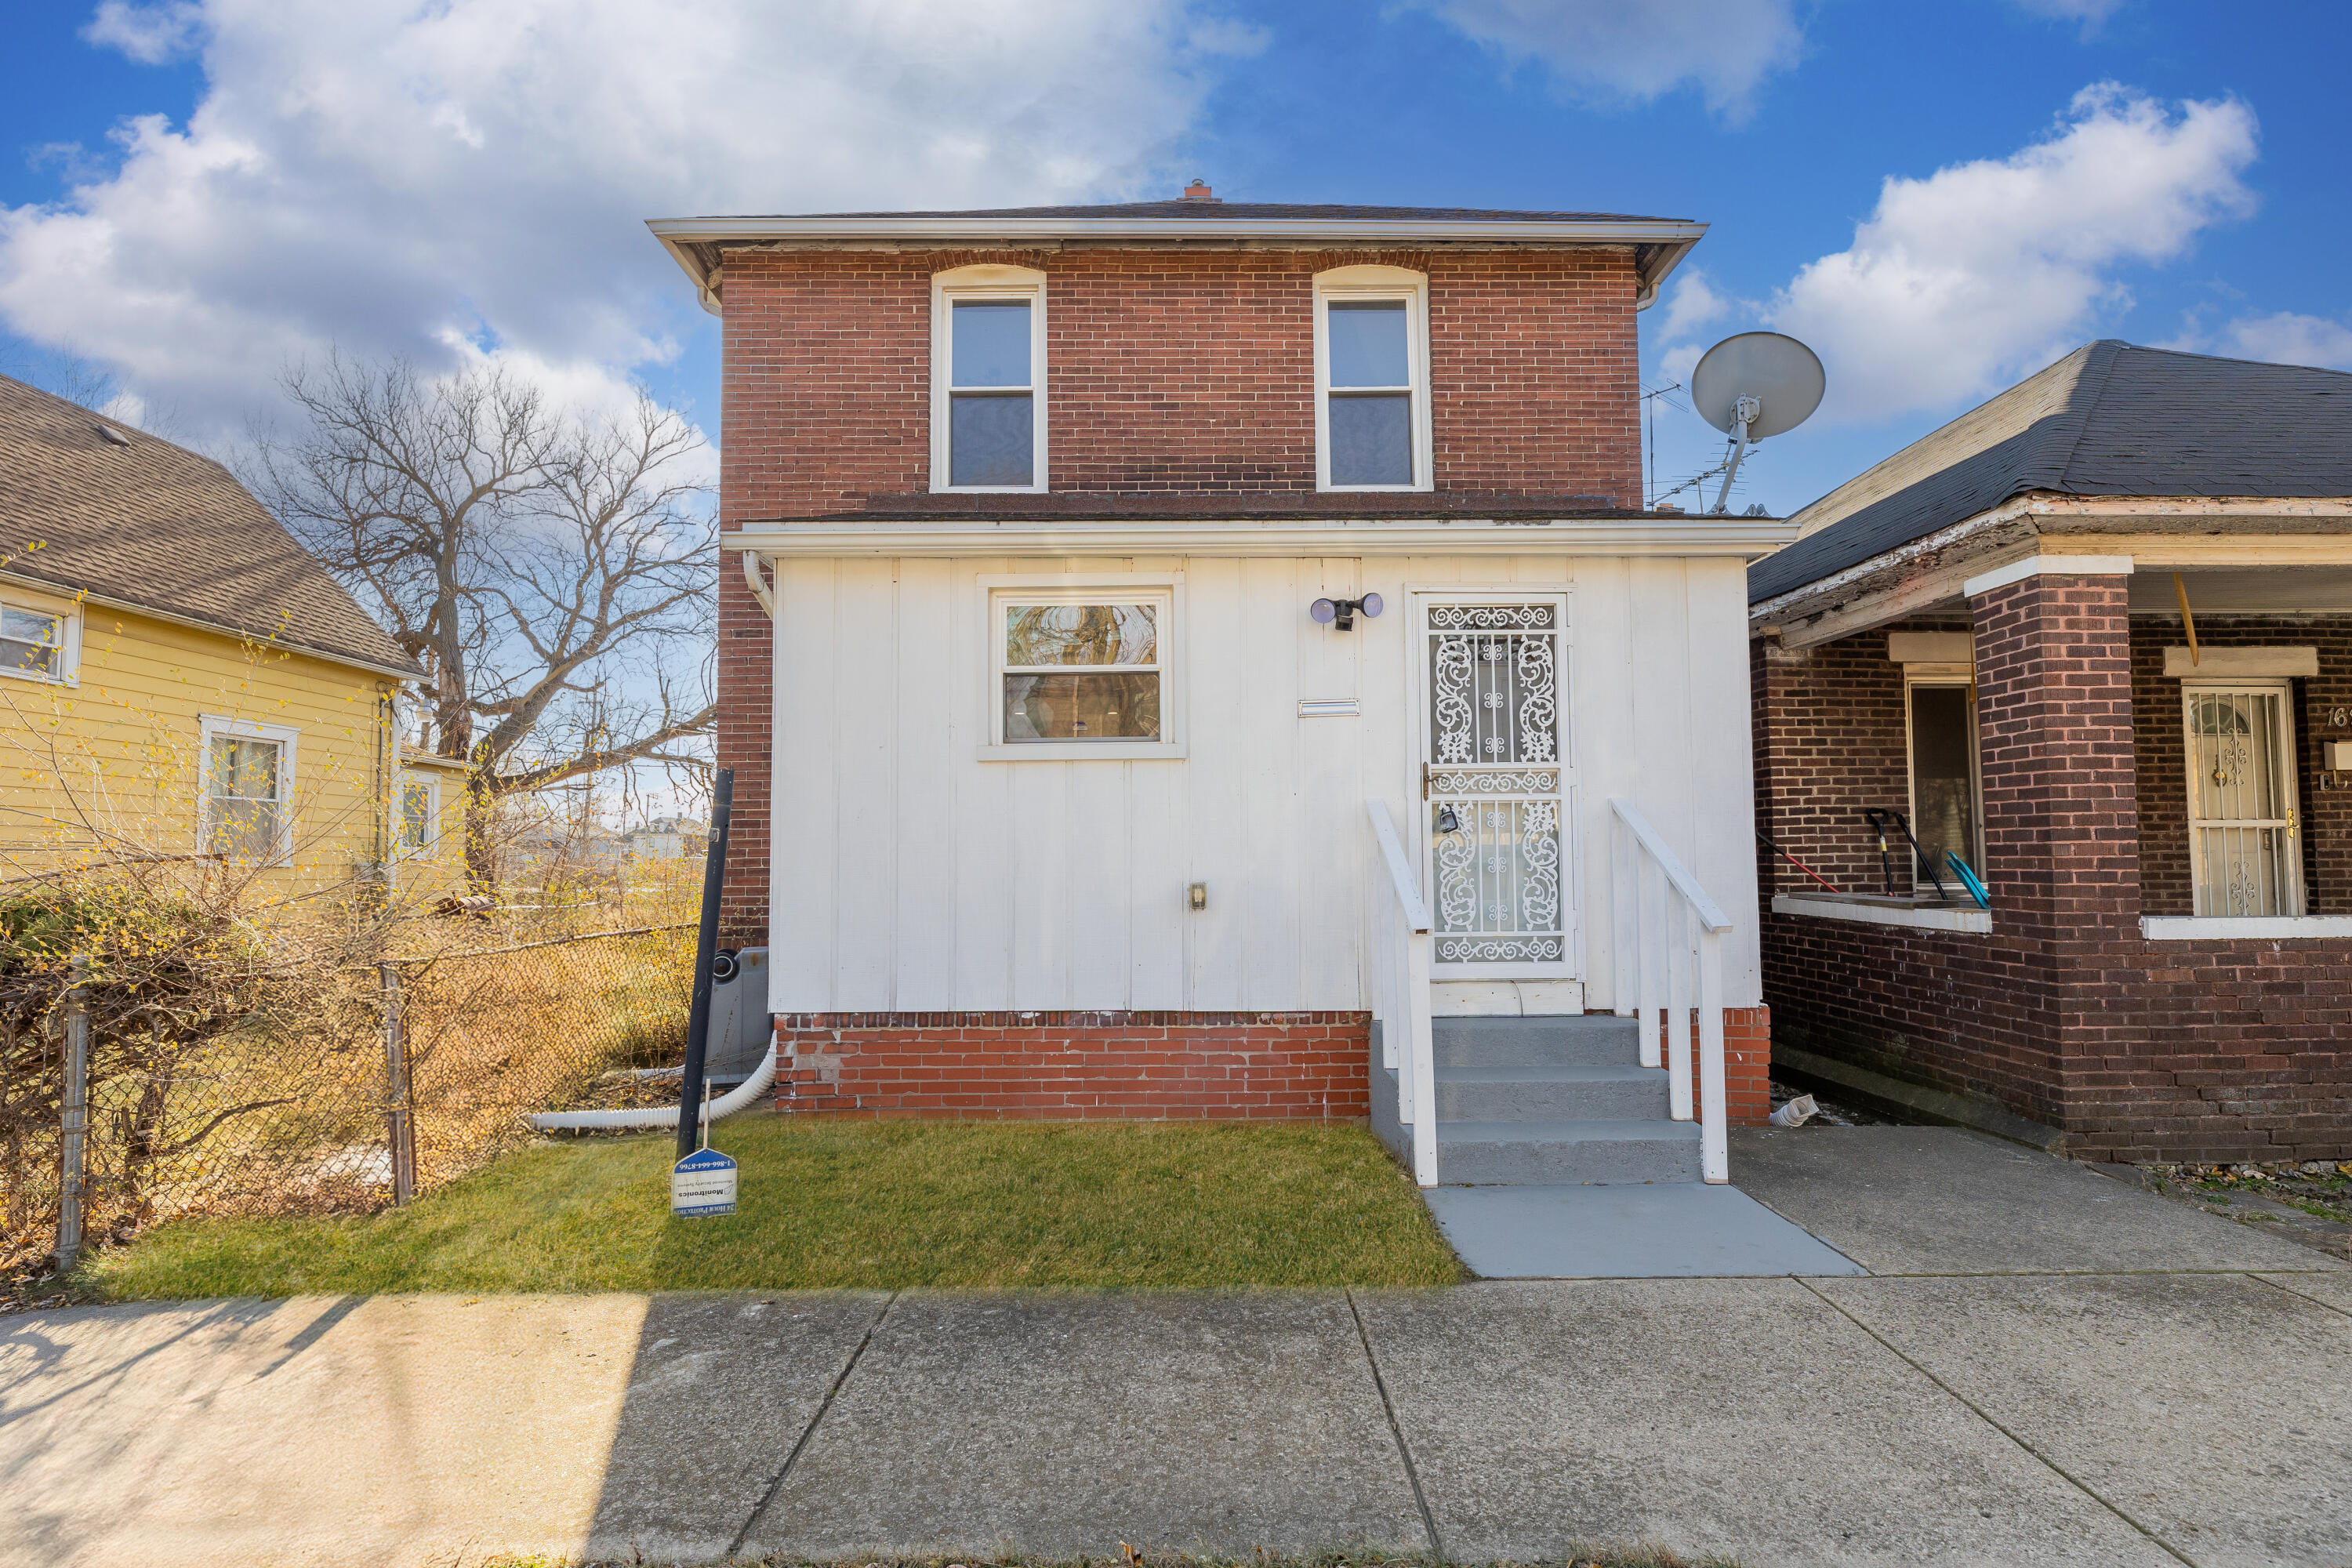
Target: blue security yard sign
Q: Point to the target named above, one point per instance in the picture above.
(701, 1184)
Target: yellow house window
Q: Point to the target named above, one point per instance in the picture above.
(247, 811)
(420, 814)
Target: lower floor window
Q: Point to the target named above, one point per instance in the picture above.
(247, 787)
(420, 815)
(2242, 798)
(1945, 818)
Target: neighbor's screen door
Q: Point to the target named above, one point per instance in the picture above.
(1495, 783)
(2241, 794)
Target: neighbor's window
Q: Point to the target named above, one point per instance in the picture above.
(420, 814)
(1081, 669)
(988, 363)
(248, 782)
(1372, 417)
(32, 642)
(1945, 816)
(2242, 798)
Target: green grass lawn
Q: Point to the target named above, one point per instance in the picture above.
(833, 1204)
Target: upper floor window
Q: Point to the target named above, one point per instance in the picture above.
(1372, 379)
(38, 642)
(988, 379)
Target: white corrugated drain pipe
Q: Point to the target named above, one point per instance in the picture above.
(726, 1105)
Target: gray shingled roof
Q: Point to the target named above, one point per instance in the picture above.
(156, 526)
(2109, 419)
(1253, 212)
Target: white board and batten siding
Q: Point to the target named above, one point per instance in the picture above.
(911, 873)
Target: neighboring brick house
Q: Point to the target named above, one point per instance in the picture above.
(2095, 639)
(1055, 798)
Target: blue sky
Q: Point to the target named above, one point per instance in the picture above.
(194, 195)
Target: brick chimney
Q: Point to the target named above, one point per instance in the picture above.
(1198, 191)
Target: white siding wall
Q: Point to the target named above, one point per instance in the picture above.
(908, 875)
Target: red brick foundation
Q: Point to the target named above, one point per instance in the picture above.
(1746, 1064)
(1049, 1065)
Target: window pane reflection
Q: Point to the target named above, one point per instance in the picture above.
(1081, 634)
(1081, 707)
(989, 439)
(1371, 440)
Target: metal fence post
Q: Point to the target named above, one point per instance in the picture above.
(400, 1125)
(75, 1122)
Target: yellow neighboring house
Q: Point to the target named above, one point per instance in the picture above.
(180, 678)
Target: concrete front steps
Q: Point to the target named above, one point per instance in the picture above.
(1548, 1101)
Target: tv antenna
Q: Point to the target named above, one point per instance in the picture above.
(1751, 385)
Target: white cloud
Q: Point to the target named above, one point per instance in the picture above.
(1637, 51)
(2090, 13)
(1962, 281)
(2283, 337)
(1691, 304)
(148, 34)
(403, 178)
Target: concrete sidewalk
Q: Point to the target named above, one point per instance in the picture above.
(2092, 1381)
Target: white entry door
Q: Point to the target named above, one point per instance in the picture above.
(1496, 786)
(2243, 845)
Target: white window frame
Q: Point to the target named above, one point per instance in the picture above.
(69, 617)
(2289, 766)
(1165, 590)
(1963, 675)
(972, 285)
(212, 726)
(403, 850)
(1354, 285)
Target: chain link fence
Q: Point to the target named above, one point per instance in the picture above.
(373, 1081)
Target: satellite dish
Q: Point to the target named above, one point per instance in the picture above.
(1752, 386)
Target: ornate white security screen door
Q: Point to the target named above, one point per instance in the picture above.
(2244, 854)
(1496, 784)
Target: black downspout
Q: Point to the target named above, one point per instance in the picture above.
(706, 949)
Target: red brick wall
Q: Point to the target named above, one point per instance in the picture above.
(1136, 1066)
(2163, 787)
(2136, 1050)
(1175, 374)
(1834, 750)
(1747, 1065)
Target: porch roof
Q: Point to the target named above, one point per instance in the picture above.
(2111, 419)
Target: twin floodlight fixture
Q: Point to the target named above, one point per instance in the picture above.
(1340, 614)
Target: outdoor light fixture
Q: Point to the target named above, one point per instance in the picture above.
(1342, 613)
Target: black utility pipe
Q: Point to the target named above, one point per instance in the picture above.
(706, 952)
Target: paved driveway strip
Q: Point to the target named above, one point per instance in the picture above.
(1063, 1425)
(1744, 1417)
(2215, 1410)
(1940, 1200)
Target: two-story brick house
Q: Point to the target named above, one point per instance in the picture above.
(1181, 650)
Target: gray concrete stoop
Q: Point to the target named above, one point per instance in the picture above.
(1556, 1157)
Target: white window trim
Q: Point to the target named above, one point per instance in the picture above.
(1920, 674)
(1374, 283)
(212, 725)
(70, 636)
(1167, 588)
(432, 843)
(2243, 927)
(2290, 768)
(1920, 916)
(969, 284)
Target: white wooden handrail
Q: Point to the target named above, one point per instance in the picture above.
(1669, 964)
(1710, 914)
(1401, 876)
(1396, 971)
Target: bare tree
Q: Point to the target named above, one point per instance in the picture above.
(554, 574)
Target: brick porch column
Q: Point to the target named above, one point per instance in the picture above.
(2061, 805)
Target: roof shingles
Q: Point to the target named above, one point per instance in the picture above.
(2109, 419)
(155, 526)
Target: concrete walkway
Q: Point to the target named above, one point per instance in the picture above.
(2043, 1366)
